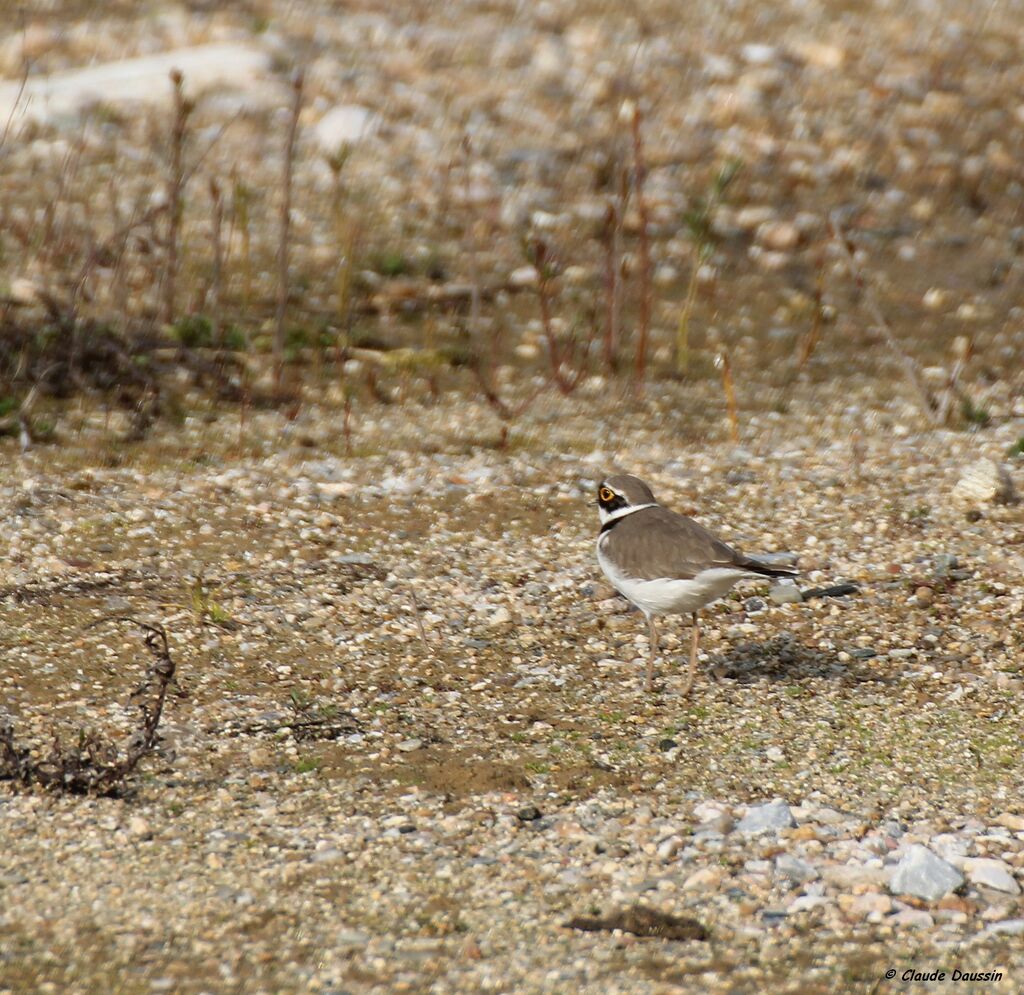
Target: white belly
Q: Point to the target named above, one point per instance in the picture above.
(666, 596)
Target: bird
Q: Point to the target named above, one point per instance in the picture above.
(666, 563)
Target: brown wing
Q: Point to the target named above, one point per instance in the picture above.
(657, 542)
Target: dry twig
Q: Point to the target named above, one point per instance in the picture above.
(92, 765)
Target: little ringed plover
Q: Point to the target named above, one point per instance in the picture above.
(664, 562)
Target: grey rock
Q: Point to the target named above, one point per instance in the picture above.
(771, 816)
(924, 875)
(410, 745)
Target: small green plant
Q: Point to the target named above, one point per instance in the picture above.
(306, 765)
(391, 263)
(193, 331)
(206, 609)
(235, 339)
(973, 414)
(1016, 451)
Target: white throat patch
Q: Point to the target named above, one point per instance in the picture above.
(611, 516)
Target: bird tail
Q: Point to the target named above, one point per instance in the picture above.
(756, 566)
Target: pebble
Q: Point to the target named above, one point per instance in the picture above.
(786, 594)
(410, 745)
(778, 236)
(704, 879)
(869, 904)
(138, 826)
(1011, 927)
(795, 869)
(911, 919)
(984, 482)
(501, 616)
(924, 596)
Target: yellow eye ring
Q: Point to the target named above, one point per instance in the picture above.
(606, 494)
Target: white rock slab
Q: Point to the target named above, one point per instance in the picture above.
(142, 80)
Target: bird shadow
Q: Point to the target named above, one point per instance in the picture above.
(785, 658)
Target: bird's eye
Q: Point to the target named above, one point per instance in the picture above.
(606, 494)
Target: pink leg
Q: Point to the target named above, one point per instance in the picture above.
(692, 676)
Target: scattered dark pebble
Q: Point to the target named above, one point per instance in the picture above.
(667, 744)
(835, 591)
(528, 813)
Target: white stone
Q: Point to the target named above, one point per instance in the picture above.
(344, 125)
(525, 276)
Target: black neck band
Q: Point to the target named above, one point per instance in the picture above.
(610, 524)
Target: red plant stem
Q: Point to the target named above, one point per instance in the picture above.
(644, 318)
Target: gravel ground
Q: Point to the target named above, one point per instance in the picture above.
(481, 790)
(840, 797)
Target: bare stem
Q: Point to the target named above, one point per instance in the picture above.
(216, 289)
(175, 190)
